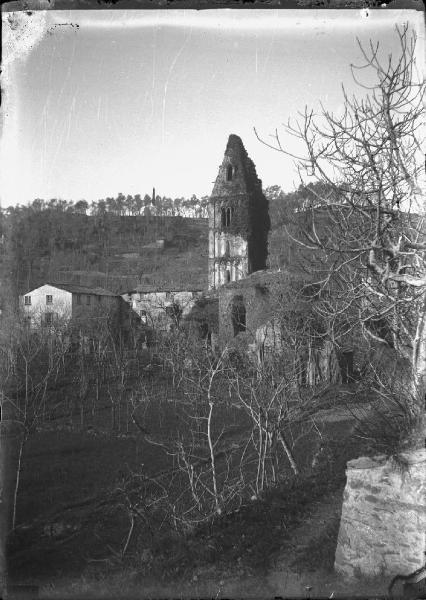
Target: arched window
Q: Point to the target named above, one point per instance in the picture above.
(238, 315)
(228, 276)
(223, 217)
(227, 249)
(228, 217)
(229, 173)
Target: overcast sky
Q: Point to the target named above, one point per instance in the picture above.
(135, 99)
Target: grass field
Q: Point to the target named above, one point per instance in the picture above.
(70, 532)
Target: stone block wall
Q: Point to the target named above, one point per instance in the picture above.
(383, 522)
(257, 305)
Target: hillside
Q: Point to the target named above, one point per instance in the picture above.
(115, 252)
(118, 252)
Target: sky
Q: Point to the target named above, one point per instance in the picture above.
(131, 100)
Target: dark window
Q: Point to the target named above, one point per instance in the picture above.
(27, 300)
(174, 311)
(78, 298)
(228, 276)
(99, 298)
(49, 299)
(223, 217)
(229, 173)
(226, 216)
(48, 318)
(88, 300)
(204, 330)
(238, 315)
(227, 249)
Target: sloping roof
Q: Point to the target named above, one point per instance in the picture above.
(163, 287)
(81, 289)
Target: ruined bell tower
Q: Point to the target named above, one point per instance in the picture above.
(238, 219)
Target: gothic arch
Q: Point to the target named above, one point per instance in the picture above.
(238, 315)
(223, 217)
(228, 216)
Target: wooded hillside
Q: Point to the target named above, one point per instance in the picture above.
(115, 252)
(51, 242)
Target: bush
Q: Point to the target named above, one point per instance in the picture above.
(394, 423)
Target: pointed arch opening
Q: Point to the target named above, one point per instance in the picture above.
(238, 315)
(223, 217)
(229, 173)
(228, 216)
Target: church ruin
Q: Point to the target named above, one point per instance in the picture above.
(238, 219)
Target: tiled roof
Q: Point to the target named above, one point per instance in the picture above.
(150, 289)
(82, 289)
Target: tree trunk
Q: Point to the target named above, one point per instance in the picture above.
(419, 357)
(288, 453)
(212, 458)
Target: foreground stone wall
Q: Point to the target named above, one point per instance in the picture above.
(383, 523)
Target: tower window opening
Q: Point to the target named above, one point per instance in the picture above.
(228, 217)
(228, 276)
(227, 249)
(229, 173)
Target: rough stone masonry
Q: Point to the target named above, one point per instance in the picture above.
(383, 523)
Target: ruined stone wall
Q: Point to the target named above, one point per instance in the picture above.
(154, 305)
(383, 523)
(257, 305)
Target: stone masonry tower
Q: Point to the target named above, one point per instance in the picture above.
(238, 219)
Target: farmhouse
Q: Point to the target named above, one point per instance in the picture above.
(56, 304)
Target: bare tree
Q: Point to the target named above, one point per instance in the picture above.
(369, 223)
(31, 368)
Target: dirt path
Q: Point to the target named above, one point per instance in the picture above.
(304, 567)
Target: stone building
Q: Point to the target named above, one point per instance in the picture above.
(82, 314)
(54, 303)
(261, 313)
(238, 219)
(162, 307)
